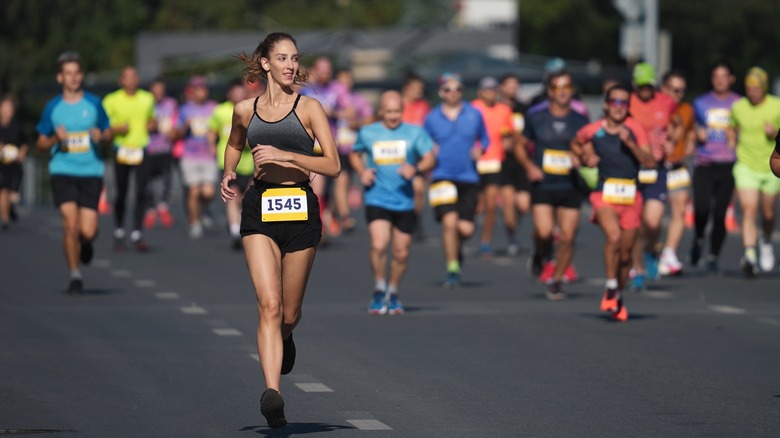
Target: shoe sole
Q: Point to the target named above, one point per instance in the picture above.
(272, 408)
(377, 312)
(395, 312)
(555, 296)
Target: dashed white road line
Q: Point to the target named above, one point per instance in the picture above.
(255, 356)
(167, 295)
(121, 273)
(770, 321)
(145, 283)
(313, 387)
(369, 425)
(101, 263)
(227, 332)
(728, 310)
(194, 309)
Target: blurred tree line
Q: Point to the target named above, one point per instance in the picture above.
(34, 32)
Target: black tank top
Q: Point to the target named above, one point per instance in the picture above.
(287, 134)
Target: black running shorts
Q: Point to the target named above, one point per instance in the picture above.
(405, 221)
(465, 206)
(83, 190)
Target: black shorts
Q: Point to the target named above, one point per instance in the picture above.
(405, 221)
(489, 179)
(513, 174)
(158, 164)
(346, 166)
(11, 176)
(83, 190)
(566, 198)
(290, 236)
(465, 206)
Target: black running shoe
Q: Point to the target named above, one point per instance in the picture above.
(272, 408)
(748, 269)
(87, 251)
(535, 265)
(76, 286)
(695, 255)
(236, 244)
(288, 355)
(12, 213)
(555, 292)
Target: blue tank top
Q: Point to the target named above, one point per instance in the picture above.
(288, 134)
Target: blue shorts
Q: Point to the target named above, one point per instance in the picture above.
(657, 189)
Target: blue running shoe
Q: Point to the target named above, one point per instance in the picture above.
(485, 251)
(651, 264)
(452, 281)
(638, 282)
(394, 306)
(378, 304)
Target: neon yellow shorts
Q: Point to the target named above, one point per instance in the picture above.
(747, 178)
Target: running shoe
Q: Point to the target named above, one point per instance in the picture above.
(621, 314)
(535, 264)
(288, 355)
(87, 251)
(378, 303)
(165, 217)
(638, 282)
(12, 213)
(140, 245)
(554, 291)
(394, 306)
(748, 268)
(272, 408)
(695, 255)
(485, 251)
(766, 256)
(512, 249)
(547, 273)
(569, 274)
(236, 243)
(76, 286)
(669, 265)
(452, 281)
(610, 302)
(651, 264)
(712, 266)
(119, 244)
(150, 219)
(196, 231)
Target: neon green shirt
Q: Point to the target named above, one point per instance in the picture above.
(220, 122)
(754, 146)
(136, 111)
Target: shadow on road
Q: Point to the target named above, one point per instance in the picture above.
(295, 429)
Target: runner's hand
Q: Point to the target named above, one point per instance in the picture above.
(225, 191)
(264, 153)
(770, 130)
(407, 171)
(476, 153)
(625, 135)
(96, 135)
(534, 173)
(575, 161)
(367, 177)
(591, 160)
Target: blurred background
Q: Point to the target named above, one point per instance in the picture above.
(380, 41)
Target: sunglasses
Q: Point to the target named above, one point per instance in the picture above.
(618, 102)
(450, 90)
(561, 86)
(677, 90)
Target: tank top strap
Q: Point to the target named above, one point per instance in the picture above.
(254, 108)
(296, 101)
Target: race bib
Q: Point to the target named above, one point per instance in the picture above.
(78, 142)
(199, 126)
(619, 191)
(284, 204)
(10, 153)
(442, 193)
(648, 176)
(129, 156)
(164, 125)
(678, 178)
(317, 150)
(718, 118)
(345, 136)
(518, 122)
(389, 152)
(488, 166)
(556, 162)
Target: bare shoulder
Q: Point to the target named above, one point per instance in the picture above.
(309, 104)
(244, 107)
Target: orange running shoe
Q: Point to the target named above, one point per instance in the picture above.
(610, 302)
(165, 217)
(150, 219)
(621, 315)
(732, 226)
(689, 218)
(548, 270)
(569, 274)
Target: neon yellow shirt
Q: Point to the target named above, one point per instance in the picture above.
(220, 122)
(754, 146)
(136, 111)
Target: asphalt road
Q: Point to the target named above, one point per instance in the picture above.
(162, 345)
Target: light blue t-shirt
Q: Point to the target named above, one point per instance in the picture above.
(386, 150)
(81, 157)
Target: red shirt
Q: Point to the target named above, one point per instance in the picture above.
(499, 123)
(654, 115)
(415, 112)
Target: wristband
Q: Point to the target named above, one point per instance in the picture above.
(417, 171)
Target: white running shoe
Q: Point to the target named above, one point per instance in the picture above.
(766, 257)
(669, 264)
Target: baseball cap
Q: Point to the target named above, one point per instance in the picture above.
(757, 77)
(450, 76)
(488, 83)
(644, 74)
(554, 65)
(197, 81)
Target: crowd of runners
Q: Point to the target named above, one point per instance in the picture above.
(290, 150)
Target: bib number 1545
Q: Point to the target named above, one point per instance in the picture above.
(284, 204)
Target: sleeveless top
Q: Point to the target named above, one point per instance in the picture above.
(288, 134)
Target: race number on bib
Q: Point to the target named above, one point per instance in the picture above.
(199, 126)
(345, 136)
(284, 204)
(10, 153)
(488, 166)
(78, 142)
(619, 191)
(129, 156)
(678, 178)
(442, 193)
(556, 162)
(389, 152)
(164, 125)
(718, 118)
(648, 176)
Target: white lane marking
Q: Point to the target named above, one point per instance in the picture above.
(121, 273)
(595, 281)
(728, 310)
(194, 309)
(659, 294)
(167, 295)
(101, 263)
(255, 356)
(145, 283)
(313, 387)
(770, 321)
(227, 332)
(369, 425)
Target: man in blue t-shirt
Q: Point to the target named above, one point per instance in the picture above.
(72, 126)
(395, 152)
(459, 132)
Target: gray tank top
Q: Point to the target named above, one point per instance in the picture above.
(287, 134)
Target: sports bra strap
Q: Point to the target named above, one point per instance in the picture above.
(254, 108)
(296, 101)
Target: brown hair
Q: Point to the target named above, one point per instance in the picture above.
(253, 71)
(66, 58)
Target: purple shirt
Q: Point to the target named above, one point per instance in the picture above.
(713, 113)
(166, 112)
(333, 97)
(195, 118)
